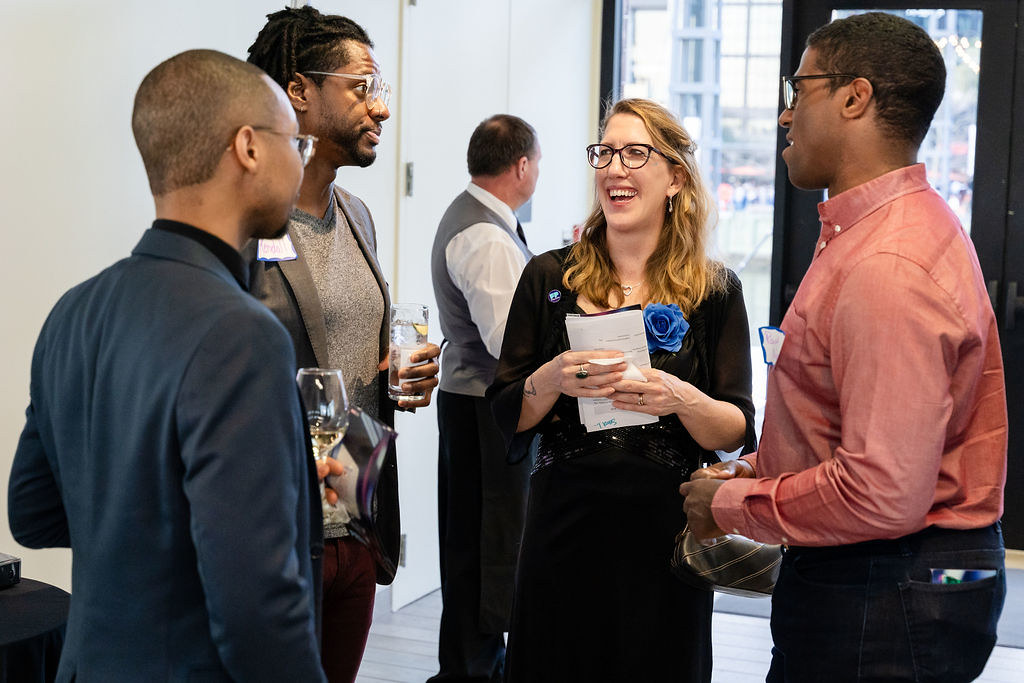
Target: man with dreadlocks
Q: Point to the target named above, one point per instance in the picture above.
(323, 281)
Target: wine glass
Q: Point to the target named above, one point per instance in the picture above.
(326, 406)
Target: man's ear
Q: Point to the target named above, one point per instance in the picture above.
(858, 98)
(245, 148)
(297, 92)
(521, 167)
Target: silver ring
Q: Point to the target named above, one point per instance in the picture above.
(640, 401)
(582, 372)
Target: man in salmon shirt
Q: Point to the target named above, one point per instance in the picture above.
(883, 458)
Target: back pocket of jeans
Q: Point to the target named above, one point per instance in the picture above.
(952, 628)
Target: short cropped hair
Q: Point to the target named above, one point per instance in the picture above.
(297, 40)
(900, 60)
(498, 142)
(186, 110)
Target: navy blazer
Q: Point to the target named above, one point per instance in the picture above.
(165, 445)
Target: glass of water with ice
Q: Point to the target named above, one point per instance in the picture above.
(408, 335)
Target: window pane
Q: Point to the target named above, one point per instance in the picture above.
(764, 38)
(733, 78)
(763, 82)
(724, 88)
(689, 106)
(691, 62)
(734, 29)
(645, 61)
(692, 15)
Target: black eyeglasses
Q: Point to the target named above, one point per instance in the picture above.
(789, 91)
(632, 156)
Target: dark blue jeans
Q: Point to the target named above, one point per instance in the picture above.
(869, 611)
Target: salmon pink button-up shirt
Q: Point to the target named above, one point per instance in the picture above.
(886, 410)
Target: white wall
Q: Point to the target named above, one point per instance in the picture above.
(73, 195)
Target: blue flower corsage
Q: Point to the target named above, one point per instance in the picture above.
(665, 327)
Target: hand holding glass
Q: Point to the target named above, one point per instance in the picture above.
(326, 406)
(408, 335)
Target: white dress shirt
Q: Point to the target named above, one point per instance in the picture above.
(485, 264)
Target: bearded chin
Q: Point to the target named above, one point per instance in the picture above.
(360, 155)
(364, 158)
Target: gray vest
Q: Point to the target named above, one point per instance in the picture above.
(466, 368)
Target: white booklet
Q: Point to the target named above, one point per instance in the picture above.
(619, 330)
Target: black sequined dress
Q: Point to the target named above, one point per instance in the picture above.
(594, 598)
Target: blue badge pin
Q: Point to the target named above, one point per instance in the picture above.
(554, 296)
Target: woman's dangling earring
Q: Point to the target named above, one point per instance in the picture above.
(669, 200)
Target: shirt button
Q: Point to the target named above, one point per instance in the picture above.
(735, 531)
(785, 541)
(822, 245)
(838, 228)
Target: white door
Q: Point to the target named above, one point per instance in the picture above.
(454, 74)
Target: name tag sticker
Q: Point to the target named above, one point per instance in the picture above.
(772, 339)
(949, 577)
(280, 249)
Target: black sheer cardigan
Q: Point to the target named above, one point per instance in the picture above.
(717, 346)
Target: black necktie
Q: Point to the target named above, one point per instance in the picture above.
(519, 231)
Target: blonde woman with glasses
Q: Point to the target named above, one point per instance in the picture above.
(595, 599)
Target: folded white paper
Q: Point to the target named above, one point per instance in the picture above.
(618, 330)
(631, 372)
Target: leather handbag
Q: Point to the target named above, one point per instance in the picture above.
(728, 564)
(368, 451)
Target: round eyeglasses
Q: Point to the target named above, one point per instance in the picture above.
(789, 90)
(375, 88)
(305, 145)
(632, 156)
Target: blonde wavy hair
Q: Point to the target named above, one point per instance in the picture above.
(679, 271)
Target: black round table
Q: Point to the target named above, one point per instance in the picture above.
(31, 631)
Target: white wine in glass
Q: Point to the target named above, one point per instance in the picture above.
(326, 405)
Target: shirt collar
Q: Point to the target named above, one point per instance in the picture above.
(494, 204)
(227, 254)
(852, 206)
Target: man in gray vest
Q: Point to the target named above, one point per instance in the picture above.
(479, 253)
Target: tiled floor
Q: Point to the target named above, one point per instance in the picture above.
(403, 647)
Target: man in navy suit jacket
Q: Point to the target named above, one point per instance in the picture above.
(164, 441)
